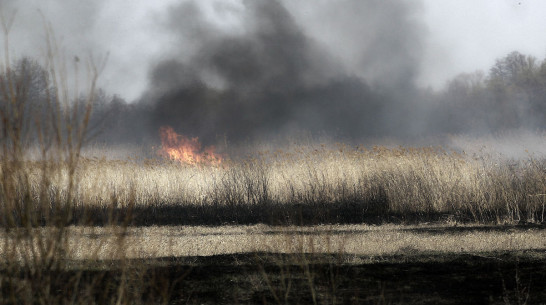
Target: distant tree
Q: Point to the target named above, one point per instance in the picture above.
(463, 104)
(515, 71)
(515, 83)
(466, 84)
(511, 95)
(24, 91)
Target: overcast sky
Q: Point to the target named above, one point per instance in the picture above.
(459, 35)
(467, 35)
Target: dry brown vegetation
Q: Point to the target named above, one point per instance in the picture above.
(306, 185)
(48, 245)
(350, 241)
(50, 254)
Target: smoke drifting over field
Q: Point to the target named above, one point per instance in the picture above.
(256, 69)
(273, 77)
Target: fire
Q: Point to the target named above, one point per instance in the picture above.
(185, 150)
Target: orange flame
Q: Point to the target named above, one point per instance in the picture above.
(185, 150)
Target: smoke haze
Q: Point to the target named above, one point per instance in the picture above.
(274, 77)
(247, 70)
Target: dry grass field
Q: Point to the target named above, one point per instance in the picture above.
(312, 224)
(308, 224)
(304, 185)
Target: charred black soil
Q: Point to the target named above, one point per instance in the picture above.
(301, 214)
(266, 278)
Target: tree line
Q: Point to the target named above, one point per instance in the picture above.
(511, 95)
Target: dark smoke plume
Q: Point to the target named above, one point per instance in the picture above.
(345, 69)
(276, 77)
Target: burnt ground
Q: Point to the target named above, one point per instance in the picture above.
(410, 276)
(271, 213)
(404, 279)
(265, 278)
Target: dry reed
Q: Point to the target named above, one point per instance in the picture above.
(404, 183)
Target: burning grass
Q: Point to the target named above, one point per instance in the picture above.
(310, 185)
(185, 150)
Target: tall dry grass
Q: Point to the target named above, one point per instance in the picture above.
(325, 184)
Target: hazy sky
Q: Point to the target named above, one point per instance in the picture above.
(459, 35)
(467, 35)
